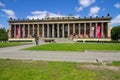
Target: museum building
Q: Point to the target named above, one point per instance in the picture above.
(92, 28)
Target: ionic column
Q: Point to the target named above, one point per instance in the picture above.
(90, 30)
(28, 31)
(63, 31)
(15, 31)
(47, 30)
(102, 30)
(84, 30)
(95, 30)
(23, 31)
(38, 28)
(109, 30)
(58, 31)
(73, 28)
(79, 29)
(43, 30)
(53, 31)
(10, 30)
(68, 30)
(33, 29)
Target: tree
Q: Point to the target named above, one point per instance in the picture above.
(115, 33)
(3, 34)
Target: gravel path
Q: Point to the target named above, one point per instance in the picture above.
(87, 56)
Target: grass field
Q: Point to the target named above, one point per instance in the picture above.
(8, 44)
(43, 70)
(115, 63)
(76, 47)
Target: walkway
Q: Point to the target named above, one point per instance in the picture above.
(88, 56)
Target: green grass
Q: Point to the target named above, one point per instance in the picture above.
(8, 44)
(76, 47)
(114, 63)
(44, 70)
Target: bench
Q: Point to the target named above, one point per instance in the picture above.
(49, 40)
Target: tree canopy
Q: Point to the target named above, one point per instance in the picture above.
(3, 34)
(115, 33)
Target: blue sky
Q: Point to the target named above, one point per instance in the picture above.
(20, 9)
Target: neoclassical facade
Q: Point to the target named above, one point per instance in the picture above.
(61, 27)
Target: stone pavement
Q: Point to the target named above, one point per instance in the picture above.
(87, 56)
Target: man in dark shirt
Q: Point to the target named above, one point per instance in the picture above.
(36, 39)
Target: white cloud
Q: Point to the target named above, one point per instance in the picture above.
(116, 20)
(1, 4)
(42, 14)
(10, 13)
(94, 11)
(78, 9)
(77, 16)
(86, 3)
(117, 5)
(83, 4)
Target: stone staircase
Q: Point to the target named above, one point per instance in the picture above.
(63, 40)
(58, 40)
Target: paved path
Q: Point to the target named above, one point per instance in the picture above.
(88, 56)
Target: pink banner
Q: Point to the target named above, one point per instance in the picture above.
(18, 32)
(98, 31)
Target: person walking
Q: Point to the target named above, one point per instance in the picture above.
(37, 40)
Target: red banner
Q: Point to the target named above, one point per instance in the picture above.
(98, 31)
(18, 32)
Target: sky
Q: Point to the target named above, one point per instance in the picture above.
(19, 9)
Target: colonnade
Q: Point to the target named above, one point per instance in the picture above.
(59, 30)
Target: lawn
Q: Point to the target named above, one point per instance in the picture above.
(76, 47)
(45, 70)
(114, 63)
(8, 44)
